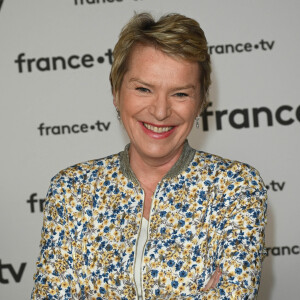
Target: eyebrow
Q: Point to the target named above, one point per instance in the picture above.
(141, 82)
(185, 87)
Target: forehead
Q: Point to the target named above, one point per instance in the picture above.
(150, 61)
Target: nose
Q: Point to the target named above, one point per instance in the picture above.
(161, 107)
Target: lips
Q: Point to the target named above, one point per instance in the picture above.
(158, 129)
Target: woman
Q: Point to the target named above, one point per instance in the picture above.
(159, 220)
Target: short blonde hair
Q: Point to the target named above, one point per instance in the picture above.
(174, 34)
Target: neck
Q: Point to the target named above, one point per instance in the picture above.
(151, 169)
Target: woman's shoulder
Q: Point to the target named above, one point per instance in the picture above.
(225, 167)
(83, 171)
(231, 178)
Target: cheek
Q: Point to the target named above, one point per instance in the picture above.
(190, 113)
(127, 108)
(123, 102)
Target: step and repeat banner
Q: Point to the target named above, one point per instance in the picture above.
(56, 110)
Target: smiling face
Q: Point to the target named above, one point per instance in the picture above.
(158, 101)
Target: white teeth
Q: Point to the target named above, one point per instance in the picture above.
(157, 129)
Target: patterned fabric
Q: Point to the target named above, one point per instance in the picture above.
(206, 212)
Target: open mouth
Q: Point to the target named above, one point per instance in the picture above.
(158, 129)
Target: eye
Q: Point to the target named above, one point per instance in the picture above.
(181, 95)
(142, 89)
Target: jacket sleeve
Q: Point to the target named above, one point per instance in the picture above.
(241, 248)
(55, 277)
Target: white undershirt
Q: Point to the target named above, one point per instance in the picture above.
(139, 256)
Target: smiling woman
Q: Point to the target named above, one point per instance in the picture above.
(158, 105)
(158, 220)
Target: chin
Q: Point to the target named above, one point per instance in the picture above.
(157, 151)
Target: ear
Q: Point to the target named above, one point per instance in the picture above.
(199, 108)
(116, 99)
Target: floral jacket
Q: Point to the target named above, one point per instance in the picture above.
(207, 212)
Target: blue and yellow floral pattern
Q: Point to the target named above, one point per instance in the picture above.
(209, 213)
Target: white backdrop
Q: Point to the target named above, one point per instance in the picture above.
(54, 68)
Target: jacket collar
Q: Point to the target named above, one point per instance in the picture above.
(182, 163)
